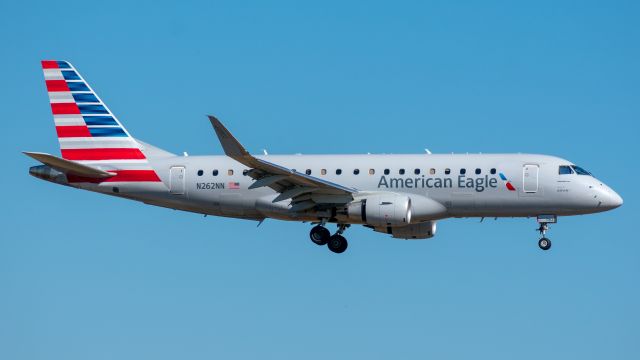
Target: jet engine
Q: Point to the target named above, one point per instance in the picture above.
(423, 230)
(386, 209)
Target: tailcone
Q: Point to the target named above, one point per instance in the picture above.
(47, 173)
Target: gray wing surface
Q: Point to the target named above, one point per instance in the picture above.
(69, 167)
(305, 191)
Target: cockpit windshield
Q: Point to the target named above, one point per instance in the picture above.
(565, 170)
(580, 171)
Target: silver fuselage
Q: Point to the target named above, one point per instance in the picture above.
(539, 188)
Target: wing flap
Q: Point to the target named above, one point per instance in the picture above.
(267, 180)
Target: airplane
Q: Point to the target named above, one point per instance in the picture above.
(400, 195)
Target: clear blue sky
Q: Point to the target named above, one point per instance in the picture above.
(83, 276)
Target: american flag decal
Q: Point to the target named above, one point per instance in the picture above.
(234, 185)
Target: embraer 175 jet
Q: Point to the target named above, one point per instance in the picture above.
(399, 195)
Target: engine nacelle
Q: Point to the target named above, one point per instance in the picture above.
(381, 210)
(426, 209)
(423, 230)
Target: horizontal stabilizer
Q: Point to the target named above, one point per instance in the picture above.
(69, 167)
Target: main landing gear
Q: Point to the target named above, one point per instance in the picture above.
(319, 235)
(336, 243)
(544, 220)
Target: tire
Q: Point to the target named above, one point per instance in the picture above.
(337, 243)
(544, 244)
(319, 235)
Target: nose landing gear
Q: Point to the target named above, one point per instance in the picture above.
(544, 243)
(337, 243)
(544, 220)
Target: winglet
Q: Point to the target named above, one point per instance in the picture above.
(230, 144)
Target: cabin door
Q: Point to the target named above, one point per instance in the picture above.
(177, 177)
(530, 178)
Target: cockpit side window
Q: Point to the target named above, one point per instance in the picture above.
(580, 171)
(565, 170)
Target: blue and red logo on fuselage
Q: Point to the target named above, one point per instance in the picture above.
(507, 182)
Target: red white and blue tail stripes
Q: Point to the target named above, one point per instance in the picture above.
(87, 130)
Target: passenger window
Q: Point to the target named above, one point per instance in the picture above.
(478, 171)
(214, 172)
(416, 171)
(308, 172)
(493, 171)
(200, 172)
(323, 172)
(386, 171)
(447, 171)
(463, 171)
(371, 171)
(432, 171)
(356, 171)
(230, 172)
(338, 171)
(401, 171)
(565, 170)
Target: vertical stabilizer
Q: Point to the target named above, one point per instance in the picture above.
(88, 131)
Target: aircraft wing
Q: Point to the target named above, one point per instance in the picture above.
(305, 191)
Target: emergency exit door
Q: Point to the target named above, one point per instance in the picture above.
(177, 177)
(530, 178)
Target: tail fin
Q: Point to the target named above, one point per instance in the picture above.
(87, 130)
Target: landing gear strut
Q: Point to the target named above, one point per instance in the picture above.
(544, 220)
(337, 243)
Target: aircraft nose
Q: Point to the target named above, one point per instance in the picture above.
(609, 199)
(614, 200)
(606, 198)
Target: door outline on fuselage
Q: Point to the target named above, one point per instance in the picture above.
(177, 180)
(530, 178)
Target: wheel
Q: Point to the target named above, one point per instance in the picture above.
(337, 243)
(319, 235)
(544, 244)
